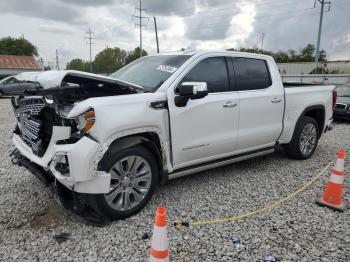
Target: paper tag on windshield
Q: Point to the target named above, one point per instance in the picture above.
(165, 68)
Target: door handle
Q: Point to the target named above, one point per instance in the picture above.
(229, 105)
(276, 100)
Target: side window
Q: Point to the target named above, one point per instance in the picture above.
(211, 70)
(251, 74)
(11, 81)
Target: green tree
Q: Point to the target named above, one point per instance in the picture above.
(281, 57)
(133, 55)
(323, 56)
(109, 60)
(17, 46)
(306, 54)
(293, 56)
(78, 64)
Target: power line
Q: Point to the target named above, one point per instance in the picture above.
(140, 24)
(323, 3)
(90, 37)
(215, 13)
(265, 5)
(303, 15)
(286, 15)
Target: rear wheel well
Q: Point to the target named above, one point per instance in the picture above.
(317, 113)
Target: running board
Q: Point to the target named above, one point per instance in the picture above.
(222, 162)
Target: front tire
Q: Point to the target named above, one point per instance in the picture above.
(134, 178)
(305, 139)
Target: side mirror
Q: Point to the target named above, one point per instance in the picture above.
(190, 90)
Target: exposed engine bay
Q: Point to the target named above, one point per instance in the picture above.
(41, 107)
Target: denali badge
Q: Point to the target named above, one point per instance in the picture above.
(194, 147)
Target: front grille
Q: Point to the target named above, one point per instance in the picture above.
(31, 106)
(340, 106)
(32, 127)
(29, 123)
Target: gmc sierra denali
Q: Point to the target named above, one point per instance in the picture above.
(115, 139)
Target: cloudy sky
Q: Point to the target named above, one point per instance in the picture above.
(200, 24)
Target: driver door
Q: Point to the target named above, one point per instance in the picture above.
(205, 129)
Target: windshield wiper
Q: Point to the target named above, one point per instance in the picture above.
(128, 84)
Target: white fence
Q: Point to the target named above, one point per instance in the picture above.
(336, 67)
(337, 79)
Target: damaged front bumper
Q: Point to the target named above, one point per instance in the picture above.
(73, 165)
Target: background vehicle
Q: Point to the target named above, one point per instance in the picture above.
(6, 80)
(342, 107)
(13, 85)
(117, 138)
(3, 82)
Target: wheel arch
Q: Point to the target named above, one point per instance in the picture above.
(318, 112)
(150, 140)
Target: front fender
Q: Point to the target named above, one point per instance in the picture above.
(133, 137)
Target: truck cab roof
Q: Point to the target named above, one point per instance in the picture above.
(216, 52)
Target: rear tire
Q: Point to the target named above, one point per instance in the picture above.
(305, 139)
(135, 176)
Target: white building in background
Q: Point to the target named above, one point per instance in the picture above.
(333, 67)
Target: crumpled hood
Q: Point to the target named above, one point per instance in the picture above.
(54, 79)
(126, 101)
(68, 86)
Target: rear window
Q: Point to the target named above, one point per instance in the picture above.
(251, 74)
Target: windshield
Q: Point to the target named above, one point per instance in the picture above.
(343, 91)
(150, 72)
(5, 80)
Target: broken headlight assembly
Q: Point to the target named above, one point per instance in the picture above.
(80, 125)
(85, 122)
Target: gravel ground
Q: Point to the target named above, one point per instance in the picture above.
(299, 230)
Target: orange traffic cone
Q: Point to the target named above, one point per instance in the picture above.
(159, 247)
(332, 196)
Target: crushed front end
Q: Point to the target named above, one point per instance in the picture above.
(62, 146)
(55, 143)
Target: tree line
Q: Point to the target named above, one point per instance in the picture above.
(107, 61)
(306, 54)
(111, 59)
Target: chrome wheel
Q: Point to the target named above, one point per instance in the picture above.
(308, 139)
(131, 179)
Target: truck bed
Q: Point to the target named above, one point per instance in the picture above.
(302, 97)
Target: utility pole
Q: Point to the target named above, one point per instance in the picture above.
(323, 3)
(89, 37)
(140, 24)
(262, 41)
(155, 29)
(57, 62)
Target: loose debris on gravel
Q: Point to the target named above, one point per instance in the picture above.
(31, 216)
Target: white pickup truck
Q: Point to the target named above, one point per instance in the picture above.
(115, 139)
